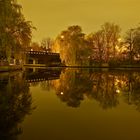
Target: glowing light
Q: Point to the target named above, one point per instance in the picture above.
(117, 48)
(118, 91)
(61, 93)
(119, 39)
(62, 37)
(120, 49)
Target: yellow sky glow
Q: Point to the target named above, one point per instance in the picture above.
(50, 17)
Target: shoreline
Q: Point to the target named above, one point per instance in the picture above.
(10, 68)
(18, 67)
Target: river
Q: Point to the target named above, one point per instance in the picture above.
(70, 104)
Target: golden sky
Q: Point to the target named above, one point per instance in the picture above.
(50, 17)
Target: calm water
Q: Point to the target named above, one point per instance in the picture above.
(70, 104)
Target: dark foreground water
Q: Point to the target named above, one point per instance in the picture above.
(70, 104)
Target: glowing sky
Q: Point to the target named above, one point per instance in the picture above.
(50, 17)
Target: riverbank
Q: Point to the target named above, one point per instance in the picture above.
(105, 66)
(10, 68)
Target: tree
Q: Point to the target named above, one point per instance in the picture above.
(104, 43)
(15, 31)
(130, 41)
(47, 43)
(133, 44)
(111, 33)
(96, 42)
(72, 46)
(4, 8)
(34, 47)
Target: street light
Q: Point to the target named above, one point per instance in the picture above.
(62, 36)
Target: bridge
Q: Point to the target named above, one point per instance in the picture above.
(41, 59)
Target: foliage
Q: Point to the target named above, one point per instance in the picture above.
(103, 42)
(76, 48)
(73, 46)
(133, 40)
(47, 43)
(15, 31)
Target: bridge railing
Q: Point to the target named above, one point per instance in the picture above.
(40, 52)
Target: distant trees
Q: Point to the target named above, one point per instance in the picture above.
(76, 48)
(47, 43)
(103, 47)
(34, 46)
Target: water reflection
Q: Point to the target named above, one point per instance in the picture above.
(15, 104)
(42, 77)
(75, 85)
(106, 87)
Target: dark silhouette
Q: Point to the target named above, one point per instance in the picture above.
(15, 104)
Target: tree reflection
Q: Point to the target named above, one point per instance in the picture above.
(103, 86)
(132, 90)
(15, 104)
(73, 85)
(104, 90)
(77, 84)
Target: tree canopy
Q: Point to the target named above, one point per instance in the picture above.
(103, 47)
(15, 31)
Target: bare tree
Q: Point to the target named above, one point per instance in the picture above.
(133, 44)
(47, 43)
(111, 35)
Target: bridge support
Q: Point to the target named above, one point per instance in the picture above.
(34, 69)
(34, 62)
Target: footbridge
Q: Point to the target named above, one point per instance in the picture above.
(41, 59)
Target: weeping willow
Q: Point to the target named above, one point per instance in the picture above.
(15, 31)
